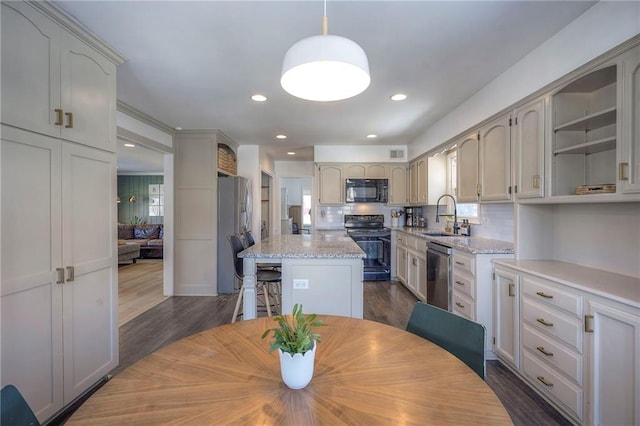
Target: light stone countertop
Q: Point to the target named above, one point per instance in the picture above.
(473, 245)
(622, 288)
(305, 246)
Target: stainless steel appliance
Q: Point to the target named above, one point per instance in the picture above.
(438, 275)
(366, 190)
(414, 217)
(369, 232)
(234, 217)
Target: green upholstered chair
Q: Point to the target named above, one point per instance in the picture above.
(461, 337)
(14, 409)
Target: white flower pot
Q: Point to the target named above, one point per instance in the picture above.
(297, 370)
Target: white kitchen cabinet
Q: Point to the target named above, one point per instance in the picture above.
(421, 174)
(413, 182)
(63, 87)
(330, 184)
(364, 170)
(59, 282)
(472, 287)
(495, 160)
(506, 317)
(529, 136)
(401, 258)
(629, 162)
(612, 348)
(398, 185)
(467, 169)
(578, 345)
(417, 273)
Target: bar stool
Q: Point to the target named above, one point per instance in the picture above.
(264, 278)
(275, 289)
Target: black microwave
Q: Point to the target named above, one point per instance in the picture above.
(366, 190)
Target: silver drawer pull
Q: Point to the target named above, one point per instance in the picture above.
(71, 273)
(60, 272)
(543, 322)
(542, 294)
(459, 263)
(459, 283)
(541, 349)
(460, 305)
(512, 290)
(543, 381)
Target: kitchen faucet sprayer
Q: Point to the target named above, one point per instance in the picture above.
(455, 212)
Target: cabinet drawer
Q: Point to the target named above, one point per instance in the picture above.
(550, 352)
(464, 284)
(402, 239)
(464, 307)
(553, 322)
(549, 293)
(464, 262)
(559, 388)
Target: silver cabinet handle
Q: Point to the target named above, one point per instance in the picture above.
(512, 290)
(459, 283)
(71, 273)
(544, 351)
(460, 305)
(543, 322)
(543, 294)
(543, 381)
(60, 272)
(587, 327)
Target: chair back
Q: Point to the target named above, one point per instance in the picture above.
(236, 247)
(14, 409)
(461, 337)
(248, 239)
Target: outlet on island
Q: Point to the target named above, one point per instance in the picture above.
(300, 284)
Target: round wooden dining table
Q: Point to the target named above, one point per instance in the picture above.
(366, 373)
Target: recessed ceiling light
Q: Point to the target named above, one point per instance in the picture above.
(281, 136)
(259, 98)
(371, 136)
(177, 128)
(398, 97)
(291, 153)
(129, 145)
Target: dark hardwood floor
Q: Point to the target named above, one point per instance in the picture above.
(385, 302)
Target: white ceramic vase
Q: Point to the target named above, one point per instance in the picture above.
(297, 370)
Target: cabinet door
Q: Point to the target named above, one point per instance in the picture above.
(413, 182)
(30, 298)
(506, 318)
(90, 290)
(355, 170)
(421, 173)
(331, 185)
(629, 162)
(398, 185)
(401, 264)
(467, 169)
(529, 145)
(613, 363)
(495, 160)
(420, 273)
(376, 171)
(88, 95)
(30, 69)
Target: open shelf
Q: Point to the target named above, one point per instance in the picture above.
(592, 147)
(590, 122)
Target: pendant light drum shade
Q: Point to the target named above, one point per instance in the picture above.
(325, 68)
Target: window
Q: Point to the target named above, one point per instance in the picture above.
(465, 210)
(306, 209)
(156, 199)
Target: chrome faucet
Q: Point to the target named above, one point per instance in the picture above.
(455, 212)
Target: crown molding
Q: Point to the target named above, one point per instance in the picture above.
(141, 116)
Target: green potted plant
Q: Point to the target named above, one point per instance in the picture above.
(296, 343)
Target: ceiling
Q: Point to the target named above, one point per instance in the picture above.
(194, 65)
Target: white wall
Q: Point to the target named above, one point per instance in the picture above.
(599, 29)
(357, 153)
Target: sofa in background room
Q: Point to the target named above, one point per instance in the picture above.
(150, 238)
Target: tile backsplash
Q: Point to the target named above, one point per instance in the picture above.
(496, 220)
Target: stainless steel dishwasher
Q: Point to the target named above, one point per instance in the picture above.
(438, 275)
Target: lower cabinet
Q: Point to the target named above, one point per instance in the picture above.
(577, 349)
(411, 263)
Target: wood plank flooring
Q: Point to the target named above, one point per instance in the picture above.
(386, 302)
(139, 289)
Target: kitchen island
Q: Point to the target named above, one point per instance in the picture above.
(323, 272)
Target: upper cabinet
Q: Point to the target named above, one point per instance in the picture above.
(418, 180)
(363, 170)
(398, 184)
(63, 87)
(330, 184)
(529, 141)
(585, 134)
(495, 160)
(467, 169)
(629, 162)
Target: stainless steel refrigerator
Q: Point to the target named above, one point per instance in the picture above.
(234, 217)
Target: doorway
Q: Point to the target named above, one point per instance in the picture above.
(266, 197)
(296, 201)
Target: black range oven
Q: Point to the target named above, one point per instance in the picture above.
(369, 232)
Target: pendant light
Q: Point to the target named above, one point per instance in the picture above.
(325, 67)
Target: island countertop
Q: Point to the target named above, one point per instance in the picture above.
(473, 245)
(305, 246)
